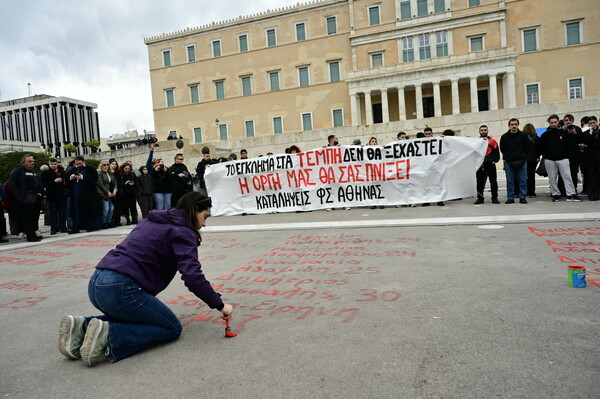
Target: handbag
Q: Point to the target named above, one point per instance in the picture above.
(541, 169)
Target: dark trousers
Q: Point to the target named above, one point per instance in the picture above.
(146, 203)
(487, 170)
(129, 208)
(593, 164)
(58, 214)
(27, 217)
(531, 167)
(3, 230)
(177, 195)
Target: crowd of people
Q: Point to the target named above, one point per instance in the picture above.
(79, 197)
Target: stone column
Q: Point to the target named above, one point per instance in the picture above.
(493, 92)
(401, 104)
(353, 106)
(474, 101)
(437, 99)
(385, 110)
(419, 100)
(510, 100)
(455, 97)
(368, 108)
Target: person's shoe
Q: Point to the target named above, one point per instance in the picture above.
(479, 201)
(329, 209)
(21, 236)
(36, 239)
(381, 207)
(65, 231)
(95, 342)
(573, 198)
(509, 201)
(522, 201)
(495, 201)
(373, 207)
(2, 239)
(53, 232)
(38, 233)
(347, 208)
(70, 336)
(532, 195)
(73, 232)
(426, 204)
(555, 198)
(441, 203)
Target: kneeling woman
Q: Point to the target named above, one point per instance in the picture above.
(128, 278)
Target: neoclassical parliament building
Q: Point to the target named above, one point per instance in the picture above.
(357, 68)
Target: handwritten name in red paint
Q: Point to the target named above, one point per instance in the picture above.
(565, 259)
(18, 285)
(571, 231)
(21, 303)
(299, 292)
(22, 261)
(41, 253)
(63, 274)
(88, 243)
(307, 269)
(274, 253)
(296, 282)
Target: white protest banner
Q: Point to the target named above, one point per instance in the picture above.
(402, 172)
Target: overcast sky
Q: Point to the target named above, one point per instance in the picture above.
(94, 50)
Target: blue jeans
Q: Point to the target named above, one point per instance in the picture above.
(162, 201)
(107, 210)
(518, 175)
(136, 318)
(58, 214)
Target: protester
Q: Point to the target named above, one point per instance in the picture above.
(163, 190)
(488, 167)
(514, 145)
(201, 169)
(116, 213)
(532, 159)
(55, 182)
(373, 141)
(86, 209)
(243, 154)
(132, 274)
(25, 191)
(401, 136)
(181, 179)
(294, 149)
(593, 160)
(3, 231)
(145, 190)
(126, 185)
(554, 147)
(106, 186)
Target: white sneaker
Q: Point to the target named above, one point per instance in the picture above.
(38, 233)
(21, 236)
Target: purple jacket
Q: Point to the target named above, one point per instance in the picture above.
(156, 249)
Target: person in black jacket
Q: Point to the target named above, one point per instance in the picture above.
(201, 169)
(163, 189)
(86, 209)
(55, 182)
(180, 178)
(592, 143)
(25, 193)
(145, 190)
(514, 145)
(126, 186)
(554, 147)
(488, 167)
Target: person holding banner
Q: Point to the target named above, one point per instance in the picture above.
(127, 280)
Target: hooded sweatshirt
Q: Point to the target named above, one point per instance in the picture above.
(156, 249)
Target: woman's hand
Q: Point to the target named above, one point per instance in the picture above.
(227, 310)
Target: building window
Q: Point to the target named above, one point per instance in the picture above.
(223, 133)
(405, 9)
(424, 47)
(532, 93)
(274, 80)
(441, 44)
(194, 94)
(307, 121)
(421, 8)
(376, 60)
(277, 125)
(243, 42)
(530, 40)
(246, 86)
(573, 33)
(197, 135)
(473, 3)
(439, 6)
(216, 45)
(303, 76)
(476, 43)
(408, 53)
(170, 94)
(331, 25)
(249, 128)
(220, 89)
(191, 53)
(334, 71)
(271, 38)
(575, 88)
(338, 117)
(167, 58)
(300, 31)
(374, 15)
